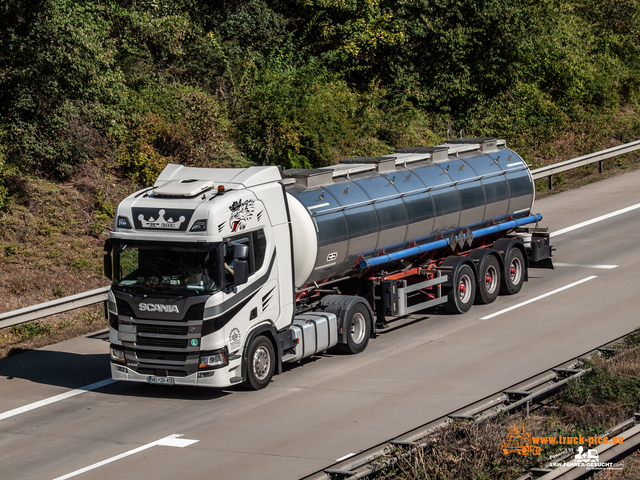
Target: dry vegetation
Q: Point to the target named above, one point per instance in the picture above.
(468, 450)
(51, 241)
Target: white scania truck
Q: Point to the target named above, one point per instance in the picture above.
(221, 275)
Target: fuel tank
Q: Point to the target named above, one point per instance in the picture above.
(370, 205)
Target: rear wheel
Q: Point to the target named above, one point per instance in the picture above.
(488, 281)
(260, 363)
(461, 296)
(513, 274)
(358, 327)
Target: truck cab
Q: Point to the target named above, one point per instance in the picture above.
(201, 263)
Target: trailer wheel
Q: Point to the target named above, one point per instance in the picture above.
(260, 363)
(513, 275)
(358, 327)
(488, 281)
(463, 292)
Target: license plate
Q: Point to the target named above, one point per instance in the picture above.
(160, 380)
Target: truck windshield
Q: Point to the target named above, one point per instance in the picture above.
(166, 267)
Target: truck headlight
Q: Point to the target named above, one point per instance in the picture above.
(212, 360)
(117, 355)
(123, 222)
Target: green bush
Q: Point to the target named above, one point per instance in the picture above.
(305, 82)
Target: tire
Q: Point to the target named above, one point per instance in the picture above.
(358, 328)
(261, 361)
(461, 296)
(489, 279)
(513, 273)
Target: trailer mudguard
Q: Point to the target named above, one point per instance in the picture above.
(479, 256)
(452, 264)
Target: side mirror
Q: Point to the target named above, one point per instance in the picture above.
(240, 271)
(241, 252)
(107, 266)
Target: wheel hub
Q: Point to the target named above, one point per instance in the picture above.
(261, 363)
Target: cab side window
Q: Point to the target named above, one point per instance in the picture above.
(257, 249)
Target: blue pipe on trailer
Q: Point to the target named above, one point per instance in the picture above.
(428, 247)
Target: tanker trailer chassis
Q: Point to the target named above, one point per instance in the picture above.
(458, 280)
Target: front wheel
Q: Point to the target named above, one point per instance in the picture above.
(461, 296)
(260, 363)
(514, 272)
(358, 327)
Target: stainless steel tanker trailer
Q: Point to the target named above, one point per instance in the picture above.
(222, 275)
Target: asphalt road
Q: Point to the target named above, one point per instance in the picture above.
(332, 405)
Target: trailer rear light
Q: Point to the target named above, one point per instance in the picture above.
(123, 222)
(117, 355)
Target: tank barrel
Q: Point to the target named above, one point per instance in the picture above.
(427, 247)
(380, 208)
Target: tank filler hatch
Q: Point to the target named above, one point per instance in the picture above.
(437, 154)
(381, 164)
(486, 144)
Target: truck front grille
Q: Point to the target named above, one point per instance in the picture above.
(162, 329)
(174, 357)
(162, 342)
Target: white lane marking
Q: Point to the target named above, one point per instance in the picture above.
(57, 398)
(605, 267)
(539, 297)
(513, 164)
(348, 455)
(595, 220)
(170, 441)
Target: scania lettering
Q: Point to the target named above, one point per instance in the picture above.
(157, 307)
(219, 276)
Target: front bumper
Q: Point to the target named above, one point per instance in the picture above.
(220, 378)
